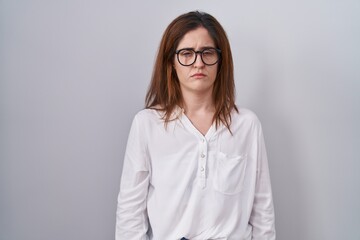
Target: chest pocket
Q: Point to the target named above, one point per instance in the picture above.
(229, 173)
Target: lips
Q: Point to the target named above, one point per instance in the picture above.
(198, 75)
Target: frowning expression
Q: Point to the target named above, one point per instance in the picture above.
(198, 77)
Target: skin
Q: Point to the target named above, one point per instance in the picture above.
(197, 81)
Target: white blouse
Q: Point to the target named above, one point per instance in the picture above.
(178, 183)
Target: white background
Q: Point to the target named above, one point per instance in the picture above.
(73, 74)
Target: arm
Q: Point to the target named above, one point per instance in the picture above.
(262, 216)
(131, 215)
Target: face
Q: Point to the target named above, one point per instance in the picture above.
(197, 78)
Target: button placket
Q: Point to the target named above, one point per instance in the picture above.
(202, 162)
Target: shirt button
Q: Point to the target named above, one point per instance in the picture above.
(202, 155)
(202, 169)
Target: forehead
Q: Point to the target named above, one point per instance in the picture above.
(197, 38)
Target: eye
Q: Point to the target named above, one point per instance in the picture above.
(186, 53)
(209, 52)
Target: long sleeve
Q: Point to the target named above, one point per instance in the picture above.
(131, 216)
(262, 217)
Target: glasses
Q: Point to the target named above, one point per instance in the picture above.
(188, 56)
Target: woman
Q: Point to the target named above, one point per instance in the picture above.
(195, 165)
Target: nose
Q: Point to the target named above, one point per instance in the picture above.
(198, 61)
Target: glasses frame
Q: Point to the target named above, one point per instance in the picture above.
(218, 51)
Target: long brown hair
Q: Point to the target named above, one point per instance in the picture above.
(164, 91)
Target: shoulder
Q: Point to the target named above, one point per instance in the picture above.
(245, 114)
(244, 118)
(148, 115)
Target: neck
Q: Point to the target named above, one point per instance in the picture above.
(195, 103)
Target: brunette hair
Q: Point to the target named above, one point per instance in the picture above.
(164, 91)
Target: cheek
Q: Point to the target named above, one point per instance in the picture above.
(180, 72)
(213, 72)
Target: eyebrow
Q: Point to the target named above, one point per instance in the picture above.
(202, 48)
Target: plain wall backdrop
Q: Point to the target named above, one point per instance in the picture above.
(73, 74)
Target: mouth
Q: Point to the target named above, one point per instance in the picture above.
(198, 75)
